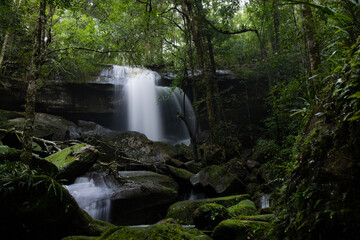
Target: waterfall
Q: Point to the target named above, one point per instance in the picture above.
(265, 201)
(150, 109)
(142, 101)
(92, 195)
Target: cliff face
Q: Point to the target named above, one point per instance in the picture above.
(242, 100)
(74, 101)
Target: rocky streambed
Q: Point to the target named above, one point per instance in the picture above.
(125, 179)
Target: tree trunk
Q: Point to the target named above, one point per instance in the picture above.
(3, 49)
(310, 32)
(33, 82)
(276, 44)
(204, 61)
(6, 39)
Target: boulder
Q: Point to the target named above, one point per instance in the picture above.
(208, 216)
(241, 230)
(164, 230)
(143, 150)
(74, 161)
(40, 164)
(90, 129)
(146, 184)
(182, 211)
(141, 196)
(193, 166)
(218, 179)
(245, 207)
(182, 176)
(48, 127)
(8, 153)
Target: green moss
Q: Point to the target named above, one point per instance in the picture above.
(207, 216)
(164, 230)
(126, 233)
(245, 207)
(10, 154)
(66, 156)
(180, 174)
(80, 238)
(263, 217)
(182, 211)
(241, 230)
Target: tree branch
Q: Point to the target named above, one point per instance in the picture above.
(220, 30)
(90, 50)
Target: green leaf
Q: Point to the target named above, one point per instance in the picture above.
(356, 95)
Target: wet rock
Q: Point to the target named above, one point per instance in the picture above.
(241, 230)
(140, 196)
(155, 187)
(208, 216)
(182, 211)
(219, 179)
(74, 161)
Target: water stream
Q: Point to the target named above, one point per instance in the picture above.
(92, 195)
(265, 201)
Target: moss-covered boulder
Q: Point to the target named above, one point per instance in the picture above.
(74, 161)
(219, 179)
(37, 207)
(8, 153)
(241, 230)
(193, 166)
(182, 176)
(164, 230)
(245, 207)
(182, 211)
(207, 216)
(48, 126)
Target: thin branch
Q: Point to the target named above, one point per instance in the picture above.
(90, 50)
(220, 30)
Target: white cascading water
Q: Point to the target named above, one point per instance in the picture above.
(92, 195)
(143, 109)
(265, 201)
(150, 109)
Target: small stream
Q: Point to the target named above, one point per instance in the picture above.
(92, 195)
